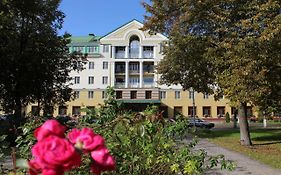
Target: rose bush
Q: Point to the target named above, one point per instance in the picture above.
(50, 127)
(85, 138)
(54, 154)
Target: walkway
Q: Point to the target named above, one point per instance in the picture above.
(244, 165)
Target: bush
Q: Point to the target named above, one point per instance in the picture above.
(227, 117)
(139, 145)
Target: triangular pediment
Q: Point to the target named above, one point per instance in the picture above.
(133, 26)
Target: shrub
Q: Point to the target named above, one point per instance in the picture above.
(227, 117)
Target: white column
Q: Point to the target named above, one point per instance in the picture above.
(154, 51)
(140, 51)
(126, 51)
(113, 52)
(112, 75)
(141, 74)
(126, 74)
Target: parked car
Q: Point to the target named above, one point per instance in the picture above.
(200, 123)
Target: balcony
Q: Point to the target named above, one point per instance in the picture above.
(120, 54)
(134, 85)
(148, 85)
(119, 85)
(148, 54)
(134, 53)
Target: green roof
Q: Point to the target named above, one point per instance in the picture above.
(140, 101)
(84, 39)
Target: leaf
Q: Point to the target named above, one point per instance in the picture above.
(22, 163)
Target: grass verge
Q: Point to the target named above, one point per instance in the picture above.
(266, 144)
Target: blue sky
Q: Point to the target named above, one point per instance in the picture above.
(98, 16)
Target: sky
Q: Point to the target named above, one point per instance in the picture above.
(98, 16)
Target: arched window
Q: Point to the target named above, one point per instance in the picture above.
(134, 46)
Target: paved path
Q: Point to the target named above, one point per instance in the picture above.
(244, 165)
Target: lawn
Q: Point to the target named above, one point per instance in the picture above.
(266, 144)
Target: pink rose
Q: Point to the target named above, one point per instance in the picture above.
(50, 127)
(103, 161)
(87, 138)
(34, 168)
(55, 153)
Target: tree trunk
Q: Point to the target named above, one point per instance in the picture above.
(235, 119)
(244, 127)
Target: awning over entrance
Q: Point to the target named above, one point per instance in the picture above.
(141, 101)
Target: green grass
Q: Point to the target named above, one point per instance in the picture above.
(266, 144)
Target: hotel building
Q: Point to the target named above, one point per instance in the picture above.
(126, 59)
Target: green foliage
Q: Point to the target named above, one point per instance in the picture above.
(139, 145)
(34, 60)
(26, 139)
(227, 117)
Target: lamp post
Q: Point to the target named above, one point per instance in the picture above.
(193, 107)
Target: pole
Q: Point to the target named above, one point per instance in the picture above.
(193, 107)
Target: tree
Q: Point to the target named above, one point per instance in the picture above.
(34, 60)
(241, 43)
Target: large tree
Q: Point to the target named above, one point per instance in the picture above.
(239, 41)
(34, 59)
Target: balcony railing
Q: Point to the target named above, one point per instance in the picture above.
(148, 85)
(134, 71)
(119, 85)
(133, 85)
(120, 54)
(147, 54)
(134, 53)
(119, 71)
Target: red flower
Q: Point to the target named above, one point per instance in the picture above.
(87, 138)
(55, 154)
(50, 127)
(103, 161)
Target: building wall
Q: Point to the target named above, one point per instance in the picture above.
(121, 37)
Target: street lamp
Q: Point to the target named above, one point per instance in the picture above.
(193, 107)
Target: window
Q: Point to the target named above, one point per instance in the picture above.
(90, 94)
(76, 80)
(190, 94)
(207, 111)
(105, 65)
(162, 94)
(104, 94)
(148, 94)
(118, 94)
(93, 49)
(76, 94)
(62, 110)
(105, 48)
(91, 65)
(133, 94)
(205, 95)
(91, 80)
(104, 79)
(76, 110)
(177, 110)
(34, 110)
(190, 111)
(220, 111)
(177, 94)
(78, 48)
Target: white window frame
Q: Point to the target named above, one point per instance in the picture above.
(91, 65)
(105, 65)
(163, 94)
(90, 94)
(177, 94)
(105, 80)
(76, 80)
(91, 80)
